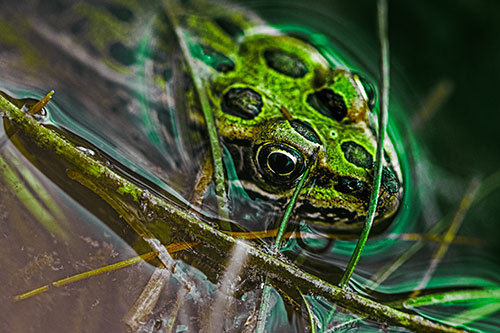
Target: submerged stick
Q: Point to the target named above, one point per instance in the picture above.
(124, 195)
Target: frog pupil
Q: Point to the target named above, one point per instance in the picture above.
(281, 163)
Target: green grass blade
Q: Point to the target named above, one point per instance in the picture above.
(266, 294)
(218, 165)
(382, 125)
(475, 314)
(454, 297)
(312, 320)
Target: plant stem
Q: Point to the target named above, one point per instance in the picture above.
(382, 125)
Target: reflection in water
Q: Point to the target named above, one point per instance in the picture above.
(132, 105)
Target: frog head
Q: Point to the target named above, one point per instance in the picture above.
(280, 108)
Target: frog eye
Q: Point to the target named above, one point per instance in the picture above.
(285, 63)
(328, 103)
(369, 90)
(242, 102)
(279, 163)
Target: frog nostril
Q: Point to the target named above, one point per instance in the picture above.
(242, 102)
(328, 103)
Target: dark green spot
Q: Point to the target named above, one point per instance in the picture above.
(53, 7)
(285, 63)
(213, 58)
(389, 180)
(122, 54)
(79, 26)
(229, 27)
(328, 103)
(305, 130)
(242, 102)
(357, 154)
(167, 74)
(353, 186)
(121, 12)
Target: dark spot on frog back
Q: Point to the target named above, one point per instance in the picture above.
(328, 103)
(389, 180)
(357, 154)
(54, 7)
(353, 186)
(285, 63)
(121, 12)
(122, 54)
(245, 103)
(79, 26)
(213, 58)
(228, 26)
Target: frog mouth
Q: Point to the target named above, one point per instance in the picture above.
(329, 218)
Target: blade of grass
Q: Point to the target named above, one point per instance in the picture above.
(382, 125)
(37, 107)
(218, 165)
(266, 294)
(383, 273)
(30, 202)
(145, 303)
(453, 297)
(172, 248)
(449, 235)
(477, 313)
(312, 320)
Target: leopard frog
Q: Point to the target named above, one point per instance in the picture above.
(279, 106)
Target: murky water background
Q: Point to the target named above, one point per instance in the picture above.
(52, 228)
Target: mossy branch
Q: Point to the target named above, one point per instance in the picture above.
(130, 200)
